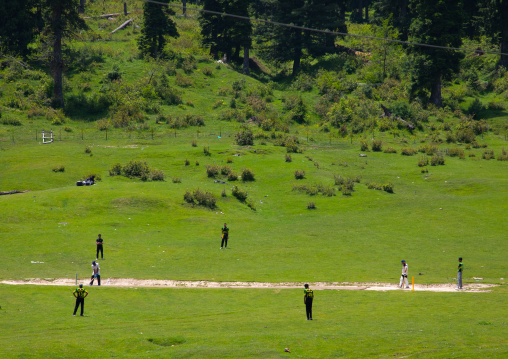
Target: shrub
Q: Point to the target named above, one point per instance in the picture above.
(223, 193)
(205, 199)
(466, 135)
(232, 176)
(88, 149)
(229, 160)
(424, 161)
(188, 197)
(251, 205)
(408, 151)
(288, 157)
(212, 170)
(388, 187)
(67, 129)
(59, 169)
(311, 205)
(197, 163)
(244, 138)
(206, 151)
(346, 185)
(299, 174)
(183, 81)
(456, 152)
(377, 146)
(187, 162)
(136, 169)
(116, 170)
(471, 154)
(437, 160)
(450, 137)
(11, 122)
(207, 71)
(225, 170)
(503, 156)
(364, 146)
(429, 150)
(157, 175)
(292, 147)
(176, 180)
(194, 143)
(488, 155)
(390, 150)
(247, 175)
(241, 195)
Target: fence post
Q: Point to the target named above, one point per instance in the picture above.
(81, 134)
(106, 134)
(125, 8)
(152, 133)
(35, 135)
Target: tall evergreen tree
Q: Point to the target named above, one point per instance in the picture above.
(290, 44)
(211, 25)
(157, 26)
(225, 33)
(435, 22)
(19, 23)
(494, 16)
(62, 20)
(400, 11)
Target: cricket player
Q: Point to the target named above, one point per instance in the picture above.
(403, 277)
(96, 273)
(80, 295)
(459, 274)
(225, 236)
(308, 298)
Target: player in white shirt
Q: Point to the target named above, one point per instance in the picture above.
(96, 273)
(403, 277)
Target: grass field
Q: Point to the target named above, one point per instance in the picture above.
(434, 215)
(224, 323)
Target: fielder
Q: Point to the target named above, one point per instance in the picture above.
(403, 277)
(80, 295)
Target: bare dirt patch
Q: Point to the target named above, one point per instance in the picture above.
(161, 283)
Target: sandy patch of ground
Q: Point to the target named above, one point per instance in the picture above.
(160, 283)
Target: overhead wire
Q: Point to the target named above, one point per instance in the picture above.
(326, 31)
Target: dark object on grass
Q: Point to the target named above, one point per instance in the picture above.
(420, 273)
(220, 182)
(11, 192)
(88, 182)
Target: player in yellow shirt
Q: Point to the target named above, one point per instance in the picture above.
(80, 295)
(225, 236)
(308, 298)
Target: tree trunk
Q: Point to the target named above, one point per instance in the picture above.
(184, 3)
(403, 8)
(435, 92)
(236, 55)
(296, 63)
(57, 63)
(503, 61)
(367, 10)
(246, 57)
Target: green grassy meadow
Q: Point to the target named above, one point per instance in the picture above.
(235, 323)
(434, 215)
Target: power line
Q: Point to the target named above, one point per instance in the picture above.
(326, 31)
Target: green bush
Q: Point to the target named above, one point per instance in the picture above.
(225, 170)
(207, 71)
(223, 193)
(232, 176)
(437, 160)
(288, 157)
(206, 151)
(299, 174)
(241, 195)
(456, 152)
(244, 138)
(377, 146)
(247, 175)
(311, 205)
(136, 168)
(408, 151)
(503, 156)
(188, 197)
(176, 180)
(424, 161)
(187, 162)
(11, 121)
(194, 143)
(388, 187)
(157, 175)
(88, 149)
(59, 169)
(116, 170)
(183, 81)
(488, 155)
(364, 146)
(466, 135)
(212, 170)
(205, 199)
(390, 150)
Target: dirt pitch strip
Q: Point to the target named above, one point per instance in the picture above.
(160, 283)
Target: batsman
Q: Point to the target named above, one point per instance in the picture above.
(403, 278)
(96, 273)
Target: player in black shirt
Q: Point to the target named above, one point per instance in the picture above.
(98, 241)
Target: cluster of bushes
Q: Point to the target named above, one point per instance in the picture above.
(437, 160)
(429, 150)
(346, 185)
(408, 151)
(456, 152)
(290, 142)
(387, 187)
(315, 189)
(244, 138)
(187, 120)
(299, 174)
(60, 168)
(137, 169)
(503, 156)
(205, 199)
(488, 155)
(214, 170)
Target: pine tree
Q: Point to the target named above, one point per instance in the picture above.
(400, 11)
(211, 25)
(157, 26)
(494, 19)
(61, 21)
(21, 18)
(435, 22)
